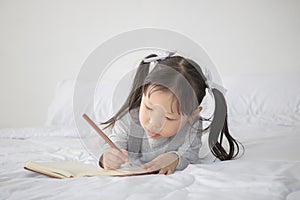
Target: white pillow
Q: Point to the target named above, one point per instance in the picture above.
(60, 111)
(263, 94)
(108, 98)
(247, 95)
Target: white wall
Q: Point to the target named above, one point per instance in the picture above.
(44, 41)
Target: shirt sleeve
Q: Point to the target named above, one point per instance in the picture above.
(188, 153)
(119, 134)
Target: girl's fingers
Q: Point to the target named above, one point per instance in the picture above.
(112, 163)
(124, 152)
(165, 164)
(147, 165)
(169, 171)
(120, 155)
(113, 158)
(151, 166)
(126, 155)
(166, 171)
(162, 171)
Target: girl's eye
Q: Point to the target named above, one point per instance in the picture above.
(169, 119)
(148, 107)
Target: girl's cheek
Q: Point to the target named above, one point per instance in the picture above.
(171, 129)
(143, 117)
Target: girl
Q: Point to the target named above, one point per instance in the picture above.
(159, 124)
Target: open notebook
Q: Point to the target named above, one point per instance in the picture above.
(69, 169)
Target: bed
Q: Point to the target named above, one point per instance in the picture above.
(264, 114)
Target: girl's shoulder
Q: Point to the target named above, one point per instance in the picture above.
(128, 120)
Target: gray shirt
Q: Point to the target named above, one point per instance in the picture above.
(129, 135)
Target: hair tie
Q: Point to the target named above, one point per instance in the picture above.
(210, 84)
(162, 56)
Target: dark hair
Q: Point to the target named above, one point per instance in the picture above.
(185, 79)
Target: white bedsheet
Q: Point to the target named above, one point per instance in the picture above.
(269, 169)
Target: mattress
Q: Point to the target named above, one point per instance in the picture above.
(269, 169)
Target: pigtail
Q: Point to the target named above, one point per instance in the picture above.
(219, 128)
(134, 98)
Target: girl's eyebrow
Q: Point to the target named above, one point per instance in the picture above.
(169, 113)
(148, 101)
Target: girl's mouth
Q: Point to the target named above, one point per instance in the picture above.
(152, 134)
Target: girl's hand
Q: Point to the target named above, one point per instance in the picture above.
(166, 163)
(113, 159)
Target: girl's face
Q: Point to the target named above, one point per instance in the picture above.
(159, 114)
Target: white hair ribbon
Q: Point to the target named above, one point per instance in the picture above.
(162, 56)
(210, 84)
(207, 103)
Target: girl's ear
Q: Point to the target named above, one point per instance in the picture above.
(195, 113)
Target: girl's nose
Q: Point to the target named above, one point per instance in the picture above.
(156, 119)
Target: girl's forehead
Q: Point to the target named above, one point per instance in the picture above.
(164, 98)
(160, 95)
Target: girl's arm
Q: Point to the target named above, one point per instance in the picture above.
(188, 153)
(119, 134)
